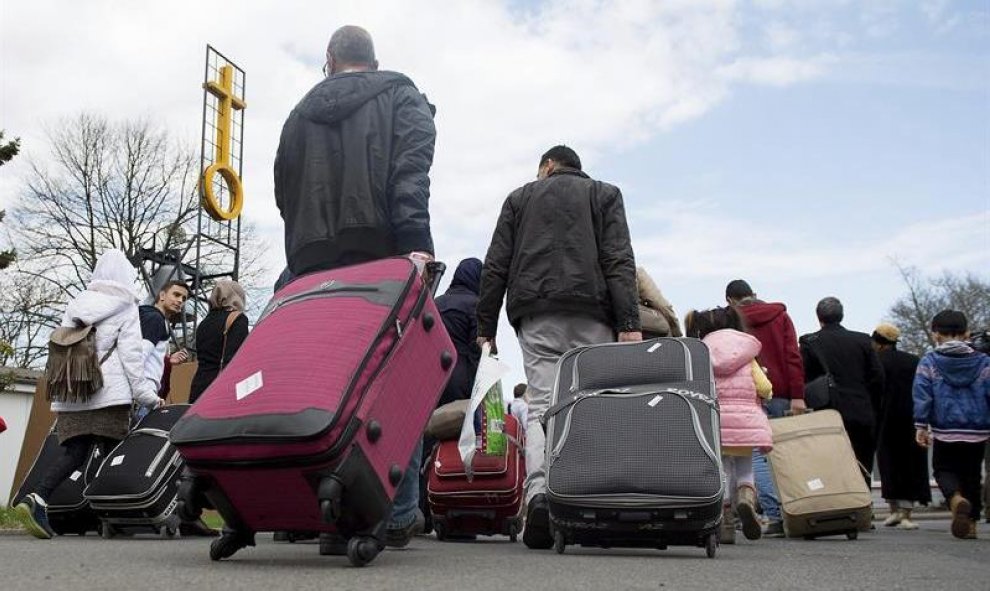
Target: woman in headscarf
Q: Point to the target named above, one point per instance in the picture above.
(219, 335)
(110, 305)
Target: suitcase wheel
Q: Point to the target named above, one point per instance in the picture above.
(852, 535)
(330, 493)
(107, 531)
(361, 550)
(711, 545)
(559, 543)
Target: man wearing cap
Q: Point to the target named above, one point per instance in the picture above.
(855, 367)
(780, 355)
(952, 414)
(903, 465)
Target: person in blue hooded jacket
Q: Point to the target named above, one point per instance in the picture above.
(457, 308)
(952, 414)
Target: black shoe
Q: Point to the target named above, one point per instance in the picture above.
(775, 529)
(332, 544)
(536, 534)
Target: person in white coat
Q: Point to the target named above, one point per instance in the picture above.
(109, 304)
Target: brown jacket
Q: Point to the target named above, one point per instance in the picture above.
(659, 311)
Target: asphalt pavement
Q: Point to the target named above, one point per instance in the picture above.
(925, 559)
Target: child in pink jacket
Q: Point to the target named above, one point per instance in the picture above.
(740, 384)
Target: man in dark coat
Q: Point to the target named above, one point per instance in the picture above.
(903, 465)
(458, 308)
(850, 358)
(352, 184)
(352, 169)
(561, 256)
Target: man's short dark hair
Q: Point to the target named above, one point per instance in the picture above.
(950, 323)
(352, 45)
(519, 391)
(738, 289)
(174, 283)
(563, 156)
(829, 311)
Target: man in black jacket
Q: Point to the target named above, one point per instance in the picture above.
(352, 184)
(352, 169)
(850, 358)
(562, 257)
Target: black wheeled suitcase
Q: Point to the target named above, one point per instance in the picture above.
(136, 489)
(633, 454)
(68, 510)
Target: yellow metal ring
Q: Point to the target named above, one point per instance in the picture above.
(233, 186)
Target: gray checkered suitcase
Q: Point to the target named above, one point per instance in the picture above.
(633, 454)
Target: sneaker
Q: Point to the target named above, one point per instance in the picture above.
(960, 507)
(33, 512)
(775, 529)
(401, 536)
(895, 518)
(536, 534)
(906, 523)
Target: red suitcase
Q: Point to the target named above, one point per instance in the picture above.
(312, 425)
(488, 504)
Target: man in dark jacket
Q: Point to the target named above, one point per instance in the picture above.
(781, 356)
(352, 169)
(903, 465)
(850, 358)
(352, 183)
(562, 257)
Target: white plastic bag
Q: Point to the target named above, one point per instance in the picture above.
(490, 371)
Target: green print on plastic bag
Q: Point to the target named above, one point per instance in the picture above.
(494, 442)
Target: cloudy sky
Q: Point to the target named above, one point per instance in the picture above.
(800, 144)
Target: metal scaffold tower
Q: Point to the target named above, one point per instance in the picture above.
(213, 251)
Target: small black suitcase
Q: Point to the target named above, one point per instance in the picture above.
(633, 451)
(136, 489)
(68, 510)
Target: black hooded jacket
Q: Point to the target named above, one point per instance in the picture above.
(352, 171)
(458, 308)
(561, 244)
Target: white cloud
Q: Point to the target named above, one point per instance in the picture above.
(599, 76)
(781, 36)
(693, 241)
(775, 71)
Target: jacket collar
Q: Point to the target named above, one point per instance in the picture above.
(568, 170)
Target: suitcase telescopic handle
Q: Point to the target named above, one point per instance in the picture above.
(434, 271)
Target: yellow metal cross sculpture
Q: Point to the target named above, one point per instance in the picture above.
(226, 103)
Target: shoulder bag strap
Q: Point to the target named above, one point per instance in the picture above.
(813, 343)
(226, 328)
(111, 349)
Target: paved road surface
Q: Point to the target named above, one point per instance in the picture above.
(928, 559)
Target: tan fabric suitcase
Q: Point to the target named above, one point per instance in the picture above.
(820, 484)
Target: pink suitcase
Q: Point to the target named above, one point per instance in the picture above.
(313, 423)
